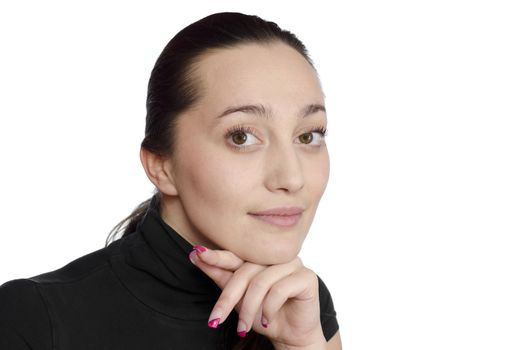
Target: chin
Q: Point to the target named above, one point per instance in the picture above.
(272, 256)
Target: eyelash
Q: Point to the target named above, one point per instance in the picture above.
(249, 130)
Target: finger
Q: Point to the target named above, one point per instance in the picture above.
(219, 258)
(301, 286)
(249, 313)
(218, 275)
(233, 291)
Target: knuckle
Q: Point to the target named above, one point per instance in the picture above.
(298, 261)
(312, 277)
(278, 291)
(309, 274)
(241, 277)
(250, 269)
(258, 284)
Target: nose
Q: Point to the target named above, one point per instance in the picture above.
(284, 169)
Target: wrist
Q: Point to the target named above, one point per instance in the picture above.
(316, 346)
(317, 342)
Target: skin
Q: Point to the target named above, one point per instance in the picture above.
(209, 184)
(279, 301)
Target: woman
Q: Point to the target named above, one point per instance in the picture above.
(234, 143)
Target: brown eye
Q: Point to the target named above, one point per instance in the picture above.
(239, 138)
(306, 138)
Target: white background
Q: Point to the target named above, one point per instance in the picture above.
(421, 235)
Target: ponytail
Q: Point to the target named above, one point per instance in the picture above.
(129, 224)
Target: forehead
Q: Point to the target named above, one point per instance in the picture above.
(273, 73)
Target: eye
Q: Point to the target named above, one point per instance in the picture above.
(238, 135)
(320, 132)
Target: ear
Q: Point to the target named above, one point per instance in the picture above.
(158, 170)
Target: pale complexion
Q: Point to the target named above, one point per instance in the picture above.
(211, 182)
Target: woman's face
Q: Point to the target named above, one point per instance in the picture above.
(230, 163)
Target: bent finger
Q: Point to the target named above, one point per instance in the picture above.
(249, 313)
(233, 292)
(301, 286)
(219, 258)
(219, 276)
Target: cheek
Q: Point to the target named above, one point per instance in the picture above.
(215, 191)
(318, 172)
(216, 199)
(211, 181)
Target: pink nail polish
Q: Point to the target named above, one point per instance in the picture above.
(213, 323)
(264, 322)
(241, 329)
(199, 248)
(192, 255)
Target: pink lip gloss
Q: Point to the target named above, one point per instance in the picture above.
(285, 221)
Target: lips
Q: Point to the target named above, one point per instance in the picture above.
(284, 211)
(282, 217)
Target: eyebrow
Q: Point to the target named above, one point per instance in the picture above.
(260, 111)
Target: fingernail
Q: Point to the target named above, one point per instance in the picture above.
(192, 256)
(214, 318)
(214, 323)
(199, 248)
(241, 329)
(264, 322)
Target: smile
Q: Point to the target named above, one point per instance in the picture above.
(284, 221)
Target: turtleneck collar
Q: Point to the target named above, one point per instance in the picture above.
(173, 250)
(158, 271)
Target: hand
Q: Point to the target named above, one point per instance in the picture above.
(280, 301)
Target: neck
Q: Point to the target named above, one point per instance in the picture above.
(173, 213)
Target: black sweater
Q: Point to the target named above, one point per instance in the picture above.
(139, 292)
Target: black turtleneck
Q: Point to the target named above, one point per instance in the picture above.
(139, 292)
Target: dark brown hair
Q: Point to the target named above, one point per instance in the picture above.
(173, 89)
